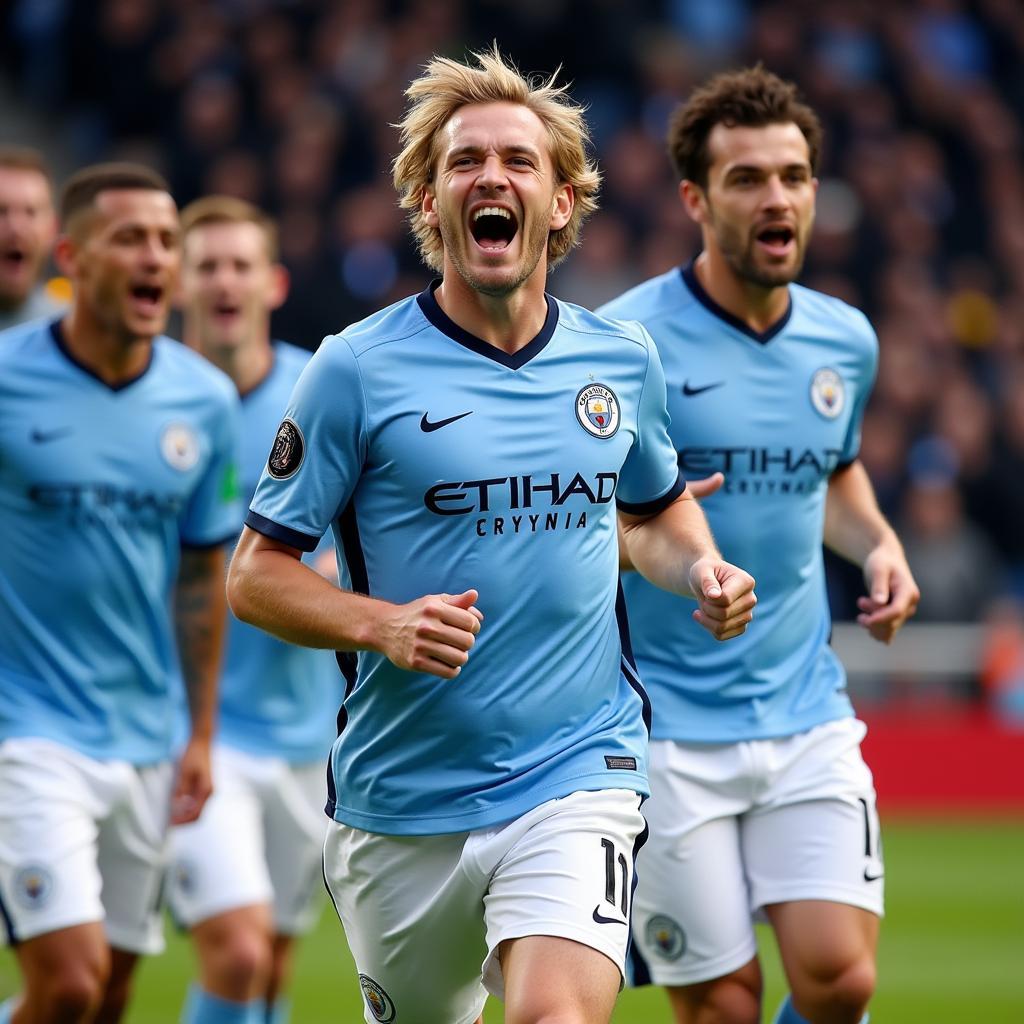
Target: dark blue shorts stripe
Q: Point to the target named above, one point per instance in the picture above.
(12, 938)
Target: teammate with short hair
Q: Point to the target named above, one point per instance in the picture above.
(117, 451)
(760, 799)
(245, 877)
(28, 227)
(468, 446)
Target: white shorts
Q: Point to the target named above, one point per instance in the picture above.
(735, 827)
(425, 915)
(81, 841)
(259, 840)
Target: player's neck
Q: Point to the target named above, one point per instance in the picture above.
(247, 365)
(755, 305)
(508, 322)
(111, 355)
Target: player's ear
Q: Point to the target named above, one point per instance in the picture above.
(428, 209)
(562, 206)
(694, 201)
(280, 282)
(65, 250)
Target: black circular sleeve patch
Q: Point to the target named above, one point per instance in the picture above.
(288, 452)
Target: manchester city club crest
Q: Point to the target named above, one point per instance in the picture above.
(288, 451)
(33, 886)
(665, 936)
(828, 393)
(379, 1002)
(597, 409)
(179, 446)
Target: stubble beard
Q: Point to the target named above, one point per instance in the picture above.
(454, 246)
(742, 258)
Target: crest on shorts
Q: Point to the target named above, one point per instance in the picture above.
(379, 1002)
(828, 392)
(184, 875)
(665, 936)
(179, 446)
(33, 885)
(597, 409)
(288, 451)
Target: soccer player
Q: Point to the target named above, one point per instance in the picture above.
(244, 877)
(760, 799)
(468, 447)
(117, 459)
(28, 227)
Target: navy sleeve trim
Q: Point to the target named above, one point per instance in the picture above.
(652, 508)
(302, 541)
(842, 466)
(208, 545)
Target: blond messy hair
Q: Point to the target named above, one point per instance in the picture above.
(444, 87)
(230, 210)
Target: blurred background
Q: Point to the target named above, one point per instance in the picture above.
(920, 222)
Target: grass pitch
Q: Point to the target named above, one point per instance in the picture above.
(952, 947)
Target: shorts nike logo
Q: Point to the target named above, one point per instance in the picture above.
(601, 919)
(42, 436)
(426, 426)
(868, 877)
(690, 392)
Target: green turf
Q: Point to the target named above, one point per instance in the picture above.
(952, 948)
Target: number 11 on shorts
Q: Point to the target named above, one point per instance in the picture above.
(618, 898)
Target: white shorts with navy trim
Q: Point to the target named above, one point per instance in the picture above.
(738, 826)
(81, 841)
(425, 915)
(259, 840)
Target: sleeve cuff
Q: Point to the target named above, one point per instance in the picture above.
(652, 508)
(845, 464)
(293, 538)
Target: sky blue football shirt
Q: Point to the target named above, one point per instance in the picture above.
(99, 488)
(443, 464)
(777, 413)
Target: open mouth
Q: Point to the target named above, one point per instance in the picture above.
(226, 311)
(148, 297)
(14, 259)
(493, 227)
(776, 239)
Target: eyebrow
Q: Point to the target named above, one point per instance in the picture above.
(470, 149)
(758, 169)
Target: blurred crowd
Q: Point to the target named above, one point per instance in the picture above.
(290, 104)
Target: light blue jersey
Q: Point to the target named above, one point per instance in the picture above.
(443, 464)
(276, 699)
(99, 488)
(777, 413)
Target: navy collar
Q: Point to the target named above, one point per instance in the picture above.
(762, 337)
(513, 360)
(57, 331)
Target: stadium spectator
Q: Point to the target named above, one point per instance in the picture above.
(484, 784)
(246, 878)
(760, 800)
(28, 227)
(118, 449)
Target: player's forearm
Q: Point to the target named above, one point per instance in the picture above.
(664, 547)
(854, 524)
(280, 594)
(200, 610)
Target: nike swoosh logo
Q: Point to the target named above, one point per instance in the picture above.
(690, 392)
(42, 436)
(601, 919)
(873, 878)
(427, 427)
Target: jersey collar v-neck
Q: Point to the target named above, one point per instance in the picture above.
(513, 360)
(692, 282)
(57, 332)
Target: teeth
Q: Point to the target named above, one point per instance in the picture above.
(491, 211)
